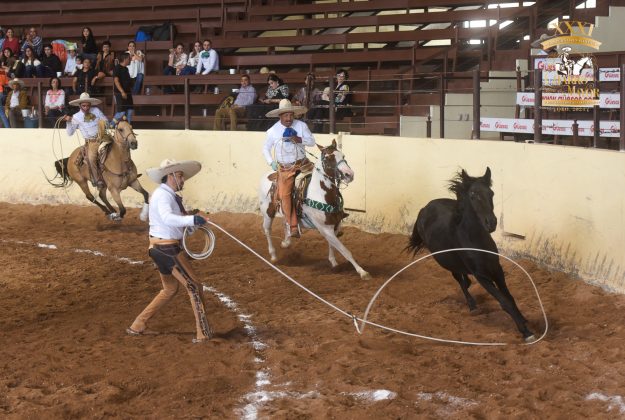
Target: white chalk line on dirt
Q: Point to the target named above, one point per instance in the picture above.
(259, 396)
(614, 402)
(363, 321)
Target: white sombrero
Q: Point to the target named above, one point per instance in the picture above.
(84, 97)
(169, 166)
(16, 81)
(286, 106)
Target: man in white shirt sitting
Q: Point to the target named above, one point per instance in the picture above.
(209, 60)
(87, 120)
(287, 138)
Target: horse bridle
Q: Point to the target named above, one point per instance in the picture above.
(338, 176)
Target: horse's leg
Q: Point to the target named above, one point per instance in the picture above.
(84, 186)
(464, 282)
(507, 305)
(267, 222)
(328, 233)
(111, 209)
(331, 256)
(136, 185)
(286, 242)
(500, 282)
(115, 193)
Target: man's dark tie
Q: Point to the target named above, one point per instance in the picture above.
(179, 201)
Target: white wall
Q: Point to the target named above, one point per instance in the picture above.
(567, 203)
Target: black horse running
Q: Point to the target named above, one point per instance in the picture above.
(467, 222)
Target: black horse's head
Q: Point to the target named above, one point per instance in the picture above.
(476, 193)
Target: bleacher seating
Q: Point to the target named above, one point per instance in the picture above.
(389, 39)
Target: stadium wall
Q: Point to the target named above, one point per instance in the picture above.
(561, 206)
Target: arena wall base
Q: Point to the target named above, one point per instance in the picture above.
(561, 206)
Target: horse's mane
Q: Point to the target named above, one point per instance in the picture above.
(461, 182)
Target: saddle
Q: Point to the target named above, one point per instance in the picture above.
(103, 151)
(302, 180)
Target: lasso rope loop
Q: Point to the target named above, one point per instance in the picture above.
(364, 321)
(209, 242)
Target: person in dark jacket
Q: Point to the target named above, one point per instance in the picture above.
(51, 65)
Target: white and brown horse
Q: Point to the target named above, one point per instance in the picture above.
(118, 170)
(322, 208)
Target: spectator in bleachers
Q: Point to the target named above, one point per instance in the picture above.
(11, 41)
(54, 105)
(4, 81)
(16, 101)
(192, 61)
(33, 41)
(84, 78)
(276, 91)
(50, 63)
(89, 47)
(1, 39)
(30, 65)
(7, 62)
(307, 93)
(105, 61)
(176, 62)
(320, 112)
(209, 59)
(122, 88)
(136, 68)
(70, 63)
(246, 96)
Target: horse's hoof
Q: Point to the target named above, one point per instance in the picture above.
(530, 339)
(285, 244)
(113, 216)
(365, 276)
(274, 259)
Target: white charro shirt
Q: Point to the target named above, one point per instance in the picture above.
(285, 151)
(88, 129)
(166, 218)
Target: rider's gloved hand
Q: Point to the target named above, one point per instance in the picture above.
(198, 220)
(289, 132)
(274, 165)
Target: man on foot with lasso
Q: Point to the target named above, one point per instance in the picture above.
(168, 219)
(288, 138)
(88, 121)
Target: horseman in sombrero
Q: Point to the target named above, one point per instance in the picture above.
(288, 139)
(92, 123)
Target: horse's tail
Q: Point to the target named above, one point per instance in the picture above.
(415, 243)
(62, 172)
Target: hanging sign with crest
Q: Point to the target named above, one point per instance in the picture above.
(570, 71)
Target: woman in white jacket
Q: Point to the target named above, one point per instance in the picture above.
(136, 68)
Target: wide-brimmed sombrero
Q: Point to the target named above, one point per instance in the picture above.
(84, 97)
(286, 106)
(16, 81)
(169, 166)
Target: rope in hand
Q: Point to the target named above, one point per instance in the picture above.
(363, 321)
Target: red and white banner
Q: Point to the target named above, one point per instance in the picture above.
(550, 127)
(609, 74)
(606, 100)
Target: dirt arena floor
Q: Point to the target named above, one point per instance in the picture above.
(72, 282)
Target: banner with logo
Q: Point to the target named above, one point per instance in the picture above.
(606, 100)
(550, 127)
(610, 74)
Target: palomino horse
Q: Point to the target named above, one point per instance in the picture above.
(322, 208)
(467, 222)
(118, 171)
